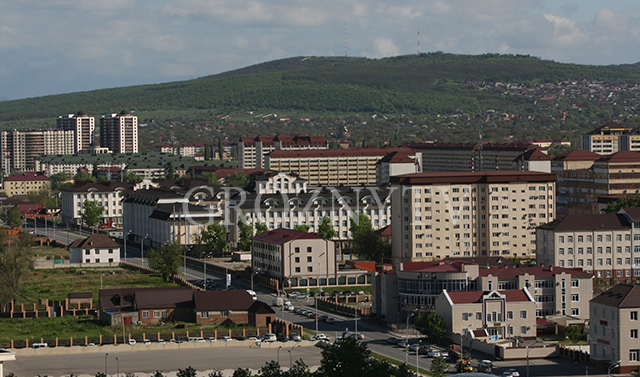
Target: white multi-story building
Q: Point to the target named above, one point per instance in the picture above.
(20, 148)
(606, 244)
(109, 195)
(119, 132)
(252, 151)
(83, 127)
(95, 249)
(440, 215)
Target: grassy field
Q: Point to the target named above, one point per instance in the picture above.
(57, 283)
(49, 251)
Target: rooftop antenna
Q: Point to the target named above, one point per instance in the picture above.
(418, 42)
(346, 54)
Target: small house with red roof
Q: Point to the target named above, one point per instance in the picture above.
(502, 314)
(294, 256)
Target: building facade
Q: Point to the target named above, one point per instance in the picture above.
(25, 183)
(83, 127)
(608, 245)
(20, 148)
(252, 151)
(119, 132)
(605, 139)
(96, 249)
(440, 215)
(334, 167)
(614, 328)
(109, 195)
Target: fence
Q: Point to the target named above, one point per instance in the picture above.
(336, 306)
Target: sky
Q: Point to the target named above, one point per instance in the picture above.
(61, 46)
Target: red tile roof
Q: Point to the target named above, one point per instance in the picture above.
(578, 155)
(471, 297)
(622, 156)
(533, 155)
(282, 235)
(386, 231)
(234, 299)
(26, 176)
(473, 177)
(607, 221)
(397, 157)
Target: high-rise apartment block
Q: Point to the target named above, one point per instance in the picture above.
(20, 148)
(83, 127)
(440, 215)
(119, 132)
(253, 151)
(611, 138)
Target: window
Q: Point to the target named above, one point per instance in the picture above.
(478, 316)
(164, 314)
(145, 314)
(309, 249)
(633, 316)
(465, 316)
(297, 259)
(510, 314)
(297, 249)
(297, 269)
(310, 269)
(575, 297)
(523, 329)
(156, 314)
(575, 311)
(634, 333)
(523, 315)
(87, 252)
(309, 259)
(224, 313)
(575, 283)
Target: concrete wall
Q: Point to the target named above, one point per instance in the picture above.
(43, 263)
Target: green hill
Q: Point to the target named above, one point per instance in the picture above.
(423, 84)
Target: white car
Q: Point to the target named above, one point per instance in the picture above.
(433, 353)
(514, 372)
(161, 341)
(131, 342)
(319, 337)
(146, 342)
(225, 339)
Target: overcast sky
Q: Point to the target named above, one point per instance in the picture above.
(60, 46)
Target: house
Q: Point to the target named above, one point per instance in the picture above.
(615, 328)
(222, 307)
(261, 314)
(95, 249)
(81, 298)
(146, 305)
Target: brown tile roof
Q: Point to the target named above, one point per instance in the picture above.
(473, 177)
(622, 156)
(578, 155)
(397, 157)
(533, 155)
(471, 297)
(509, 273)
(621, 296)
(157, 298)
(608, 126)
(283, 235)
(26, 176)
(260, 307)
(235, 299)
(352, 152)
(99, 240)
(632, 212)
(607, 221)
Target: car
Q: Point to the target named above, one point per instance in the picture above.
(514, 372)
(485, 364)
(131, 342)
(434, 353)
(289, 307)
(297, 310)
(360, 292)
(423, 350)
(295, 337)
(241, 338)
(212, 339)
(336, 293)
(330, 321)
(319, 337)
(283, 338)
(349, 293)
(226, 339)
(445, 355)
(269, 338)
(338, 340)
(325, 294)
(506, 373)
(356, 335)
(323, 317)
(414, 347)
(161, 341)
(392, 341)
(402, 344)
(252, 338)
(311, 314)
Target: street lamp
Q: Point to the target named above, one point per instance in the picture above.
(320, 291)
(290, 360)
(105, 363)
(529, 349)
(252, 274)
(279, 355)
(142, 248)
(205, 269)
(125, 244)
(612, 367)
(406, 355)
(117, 367)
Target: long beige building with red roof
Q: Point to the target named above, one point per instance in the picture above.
(252, 151)
(335, 167)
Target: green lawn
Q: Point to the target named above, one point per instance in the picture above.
(55, 284)
(49, 251)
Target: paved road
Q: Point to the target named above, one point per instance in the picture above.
(202, 360)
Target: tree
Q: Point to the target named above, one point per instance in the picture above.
(170, 172)
(245, 232)
(366, 242)
(516, 261)
(302, 227)
(215, 373)
(575, 333)
(261, 228)
(42, 196)
(432, 325)
(299, 369)
(242, 372)
(350, 358)
(166, 260)
(131, 177)
(631, 201)
(214, 236)
(211, 177)
(220, 149)
(58, 180)
(14, 217)
(92, 213)
(236, 180)
(325, 229)
(439, 367)
(271, 369)
(94, 170)
(83, 176)
(157, 374)
(16, 266)
(187, 372)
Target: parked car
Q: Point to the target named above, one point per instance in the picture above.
(336, 293)
(241, 338)
(283, 338)
(325, 294)
(319, 337)
(349, 293)
(226, 339)
(289, 307)
(146, 342)
(269, 338)
(330, 321)
(357, 336)
(311, 314)
(434, 353)
(360, 292)
(402, 344)
(161, 341)
(323, 317)
(514, 372)
(295, 337)
(485, 364)
(131, 342)
(392, 341)
(211, 339)
(414, 347)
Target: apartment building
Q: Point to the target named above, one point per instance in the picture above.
(579, 159)
(335, 167)
(270, 182)
(469, 157)
(185, 149)
(615, 327)
(252, 151)
(25, 183)
(294, 256)
(109, 195)
(21, 148)
(417, 285)
(605, 139)
(612, 174)
(339, 204)
(606, 244)
(83, 127)
(440, 215)
(119, 132)
(501, 314)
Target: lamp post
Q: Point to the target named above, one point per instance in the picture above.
(205, 269)
(406, 355)
(290, 360)
(117, 367)
(142, 248)
(320, 291)
(252, 275)
(612, 367)
(529, 349)
(125, 244)
(105, 363)
(279, 355)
